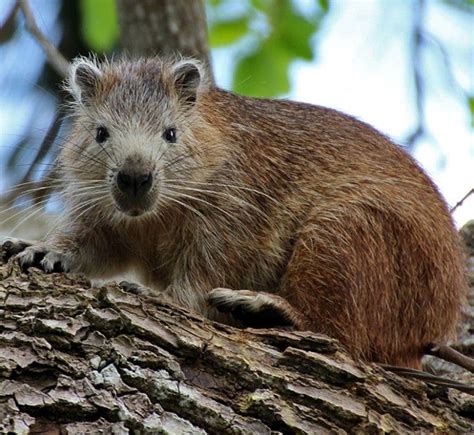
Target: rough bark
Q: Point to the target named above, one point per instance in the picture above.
(74, 358)
(151, 27)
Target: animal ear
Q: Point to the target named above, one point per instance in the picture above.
(84, 79)
(188, 76)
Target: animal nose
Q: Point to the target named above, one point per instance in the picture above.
(134, 183)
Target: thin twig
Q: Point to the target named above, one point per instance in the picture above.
(55, 58)
(451, 355)
(459, 203)
(428, 378)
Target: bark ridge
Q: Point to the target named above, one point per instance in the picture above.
(74, 358)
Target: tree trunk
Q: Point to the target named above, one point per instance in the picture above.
(78, 359)
(164, 27)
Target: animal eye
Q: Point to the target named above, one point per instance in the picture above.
(101, 135)
(170, 135)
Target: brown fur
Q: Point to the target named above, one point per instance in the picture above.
(306, 203)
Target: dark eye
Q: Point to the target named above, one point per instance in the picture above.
(101, 135)
(170, 135)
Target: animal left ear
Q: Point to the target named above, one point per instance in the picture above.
(84, 79)
(188, 76)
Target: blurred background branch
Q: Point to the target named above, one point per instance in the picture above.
(55, 58)
(417, 72)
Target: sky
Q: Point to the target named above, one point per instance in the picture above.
(361, 68)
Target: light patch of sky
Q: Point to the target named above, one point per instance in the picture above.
(362, 69)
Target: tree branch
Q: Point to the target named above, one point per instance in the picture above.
(461, 201)
(55, 58)
(80, 359)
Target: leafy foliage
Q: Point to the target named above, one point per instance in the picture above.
(99, 24)
(280, 32)
(229, 31)
(263, 73)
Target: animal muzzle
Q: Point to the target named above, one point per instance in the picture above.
(133, 191)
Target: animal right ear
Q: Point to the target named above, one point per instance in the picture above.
(188, 75)
(84, 79)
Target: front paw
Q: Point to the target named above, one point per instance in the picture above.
(45, 257)
(11, 247)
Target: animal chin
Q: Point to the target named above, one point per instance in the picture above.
(133, 208)
(133, 212)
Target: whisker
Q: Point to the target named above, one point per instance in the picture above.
(29, 191)
(238, 200)
(186, 206)
(203, 201)
(27, 218)
(23, 210)
(232, 186)
(92, 203)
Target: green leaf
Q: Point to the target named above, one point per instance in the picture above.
(324, 5)
(99, 24)
(293, 31)
(262, 5)
(263, 73)
(471, 108)
(228, 32)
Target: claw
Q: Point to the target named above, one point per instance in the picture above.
(31, 254)
(137, 289)
(30, 257)
(54, 262)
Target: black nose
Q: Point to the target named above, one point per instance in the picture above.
(133, 183)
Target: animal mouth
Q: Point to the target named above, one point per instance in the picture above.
(133, 207)
(135, 212)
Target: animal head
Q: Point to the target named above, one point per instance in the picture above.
(137, 133)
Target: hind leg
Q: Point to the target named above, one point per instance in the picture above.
(341, 281)
(257, 309)
(353, 275)
(315, 292)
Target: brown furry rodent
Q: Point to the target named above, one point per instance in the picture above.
(324, 221)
